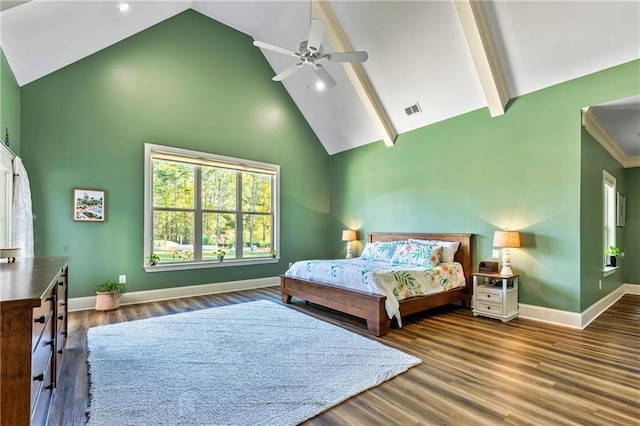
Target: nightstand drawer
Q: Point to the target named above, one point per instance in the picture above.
(489, 308)
(489, 296)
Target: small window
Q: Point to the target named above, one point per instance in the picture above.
(200, 205)
(609, 213)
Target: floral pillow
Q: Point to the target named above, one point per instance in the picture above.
(380, 250)
(427, 256)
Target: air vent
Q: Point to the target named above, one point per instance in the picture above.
(413, 109)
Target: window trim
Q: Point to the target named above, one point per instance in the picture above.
(209, 159)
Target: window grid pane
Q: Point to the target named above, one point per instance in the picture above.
(173, 236)
(173, 184)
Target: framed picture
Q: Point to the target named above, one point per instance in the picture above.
(620, 204)
(89, 205)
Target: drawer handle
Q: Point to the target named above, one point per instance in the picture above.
(41, 319)
(489, 307)
(51, 298)
(63, 303)
(50, 387)
(61, 283)
(64, 333)
(488, 296)
(61, 317)
(60, 351)
(39, 378)
(50, 342)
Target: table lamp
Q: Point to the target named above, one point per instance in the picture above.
(506, 240)
(349, 235)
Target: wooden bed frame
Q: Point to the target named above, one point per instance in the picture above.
(370, 306)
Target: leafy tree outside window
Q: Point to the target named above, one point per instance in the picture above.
(198, 203)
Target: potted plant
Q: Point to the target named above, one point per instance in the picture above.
(108, 295)
(613, 252)
(274, 253)
(220, 254)
(154, 259)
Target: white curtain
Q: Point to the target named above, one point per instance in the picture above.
(22, 215)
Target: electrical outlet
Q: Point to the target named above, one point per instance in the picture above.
(122, 279)
(495, 254)
(599, 284)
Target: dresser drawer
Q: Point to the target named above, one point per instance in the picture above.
(42, 398)
(61, 290)
(61, 342)
(41, 317)
(489, 308)
(41, 359)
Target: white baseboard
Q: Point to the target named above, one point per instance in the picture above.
(575, 319)
(84, 303)
(553, 316)
(632, 288)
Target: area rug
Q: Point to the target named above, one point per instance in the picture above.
(256, 363)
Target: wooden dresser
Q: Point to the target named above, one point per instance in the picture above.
(33, 311)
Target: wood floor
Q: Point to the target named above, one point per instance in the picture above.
(475, 371)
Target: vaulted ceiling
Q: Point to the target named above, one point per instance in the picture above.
(445, 57)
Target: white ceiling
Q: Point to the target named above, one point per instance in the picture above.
(417, 51)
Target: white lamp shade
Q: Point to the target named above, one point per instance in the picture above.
(506, 239)
(349, 235)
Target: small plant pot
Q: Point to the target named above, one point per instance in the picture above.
(220, 258)
(107, 301)
(612, 261)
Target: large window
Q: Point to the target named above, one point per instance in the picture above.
(609, 212)
(198, 205)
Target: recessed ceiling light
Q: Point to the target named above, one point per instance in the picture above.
(320, 86)
(123, 7)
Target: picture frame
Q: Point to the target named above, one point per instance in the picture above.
(89, 205)
(620, 208)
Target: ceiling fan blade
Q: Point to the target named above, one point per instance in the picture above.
(324, 76)
(347, 57)
(275, 48)
(316, 33)
(286, 73)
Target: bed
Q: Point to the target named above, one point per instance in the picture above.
(371, 307)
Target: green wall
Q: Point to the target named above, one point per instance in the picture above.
(9, 105)
(475, 174)
(189, 82)
(632, 229)
(194, 83)
(595, 159)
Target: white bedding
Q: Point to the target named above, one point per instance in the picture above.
(397, 282)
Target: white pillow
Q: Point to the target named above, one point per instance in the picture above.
(449, 248)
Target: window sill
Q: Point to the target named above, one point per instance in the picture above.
(609, 270)
(204, 265)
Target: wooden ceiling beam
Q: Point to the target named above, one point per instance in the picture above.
(478, 34)
(339, 42)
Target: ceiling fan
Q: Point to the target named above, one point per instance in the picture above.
(310, 52)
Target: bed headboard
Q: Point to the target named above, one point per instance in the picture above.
(464, 255)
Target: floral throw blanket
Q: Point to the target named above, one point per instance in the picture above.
(397, 282)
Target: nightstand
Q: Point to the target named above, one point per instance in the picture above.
(495, 295)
